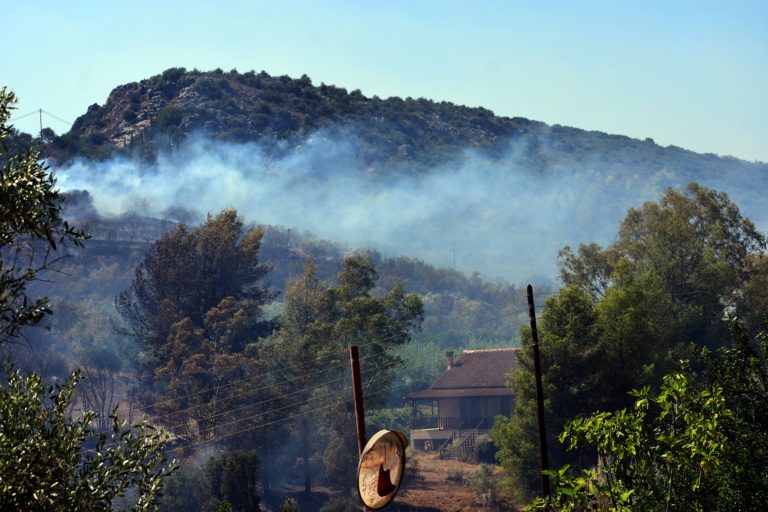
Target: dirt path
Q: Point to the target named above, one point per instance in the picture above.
(437, 488)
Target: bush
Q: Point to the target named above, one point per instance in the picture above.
(169, 118)
(455, 475)
(173, 74)
(129, 115)
(342, 505)
(484, 451)
(412, 472)
(485, 484)
(290, 505)
(44, 464)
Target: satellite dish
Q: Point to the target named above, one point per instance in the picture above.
(381, 468)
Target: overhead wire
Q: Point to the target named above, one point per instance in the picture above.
(274, 422)
(314, 360)
(375, 371)
(17, 118)
(266, 412)
(57, 117)
(294, 405)
(298, 377)
(326, 383)
(40, 111)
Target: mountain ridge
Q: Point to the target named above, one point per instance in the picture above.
(146, 118)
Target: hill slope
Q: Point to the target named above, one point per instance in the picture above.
(156, 114)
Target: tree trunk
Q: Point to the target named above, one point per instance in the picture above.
(305, 456)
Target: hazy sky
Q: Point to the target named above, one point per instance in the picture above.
(689, 73)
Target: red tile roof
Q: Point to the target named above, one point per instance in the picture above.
(475, 373)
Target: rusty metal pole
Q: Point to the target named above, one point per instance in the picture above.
(539, 396)
(357, 392)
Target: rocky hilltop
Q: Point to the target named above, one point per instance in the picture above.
(154, 116)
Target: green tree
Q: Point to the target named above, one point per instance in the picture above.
(233, 479)
(694, 246)
(51, 461)
(658, 455)
(741, 370)
(195, 306)
(629, 311)
(568, 337)
(320, 322)
(188, 272)
(31, 230)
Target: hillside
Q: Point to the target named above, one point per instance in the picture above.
(420, 178)
(155, 115)
(143, 118)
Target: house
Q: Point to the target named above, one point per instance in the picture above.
(464, 400)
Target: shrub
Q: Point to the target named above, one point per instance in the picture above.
(290, 505)
(170, 118)
(455, 475)
(485, 484)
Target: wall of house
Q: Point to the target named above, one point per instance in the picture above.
(492, 406)
(481, 407)
(449, 408)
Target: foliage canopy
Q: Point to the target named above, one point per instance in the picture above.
(31, 230)
(629, 312)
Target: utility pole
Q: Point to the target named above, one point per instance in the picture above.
(40, 111)
(357, 393)
(539, 396)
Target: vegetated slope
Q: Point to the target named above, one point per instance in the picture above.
(454, 301)
(145, 118)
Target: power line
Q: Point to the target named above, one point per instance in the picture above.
(328, 408)
(424, 350)
(322, 370)
(70, 123)
(334, 392)
(414, 353)
(17, 118)
(315, 360)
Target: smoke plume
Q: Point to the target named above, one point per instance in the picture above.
(485, 214)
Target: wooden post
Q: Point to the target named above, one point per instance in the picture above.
(539, 396)
(357, 391)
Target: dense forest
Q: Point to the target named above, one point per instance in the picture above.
(230, 335)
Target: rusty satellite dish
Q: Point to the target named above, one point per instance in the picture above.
(381, 468)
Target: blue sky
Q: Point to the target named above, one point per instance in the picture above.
(689, 73)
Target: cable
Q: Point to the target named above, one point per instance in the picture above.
(423, 350)
(17, 118)
(311, 399)
(243, 393)
(230, 411)
(257, 427)
(308, 400)
(303, 390)
(57, 118)
(290, 417)
(335, 354)
(264, 425)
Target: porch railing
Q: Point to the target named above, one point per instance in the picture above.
(480, 423)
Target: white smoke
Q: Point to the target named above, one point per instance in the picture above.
(504, 221)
